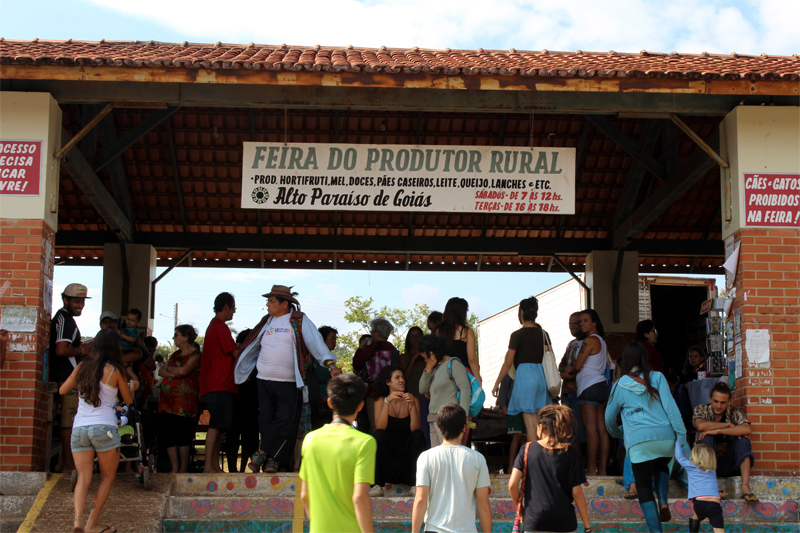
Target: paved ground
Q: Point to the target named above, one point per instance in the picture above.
(129, 508)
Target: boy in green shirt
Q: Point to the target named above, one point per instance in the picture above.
(339, 464)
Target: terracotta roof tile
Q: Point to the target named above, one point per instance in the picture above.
(395, 61)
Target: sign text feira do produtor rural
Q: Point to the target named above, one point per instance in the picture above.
(408, 178)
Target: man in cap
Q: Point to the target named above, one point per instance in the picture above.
(65, 352)
(108, 320)
(279, 348)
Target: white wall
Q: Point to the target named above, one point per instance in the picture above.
(555, 306)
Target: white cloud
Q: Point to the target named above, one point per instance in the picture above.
(422, 294)
(688, 26)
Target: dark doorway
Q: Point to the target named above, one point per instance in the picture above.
(676, 312)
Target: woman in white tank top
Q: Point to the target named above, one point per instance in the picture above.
(94, 431)
(590, 367)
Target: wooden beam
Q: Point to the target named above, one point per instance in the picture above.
(116, 170)
(510, 246)
(633, 183)
(130, 138)
(377, 99)
(177, 179)
(91, 186)
(680, 181)
(84, 130)
(616, 135)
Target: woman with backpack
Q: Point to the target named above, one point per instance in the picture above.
(437, 381)
(651, 422)
(526, 352)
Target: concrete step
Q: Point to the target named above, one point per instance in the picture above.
(15, 506)
(404, 526)
(263, 497)
(22, 483)
(284, 484)
(10, 525)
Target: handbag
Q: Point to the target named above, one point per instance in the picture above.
(519, 519)
(551, 374)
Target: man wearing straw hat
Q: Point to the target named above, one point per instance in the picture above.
(65, 352)
(279, 348)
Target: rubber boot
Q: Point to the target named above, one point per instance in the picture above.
(661, 481)
(694, 525)
(650, 511)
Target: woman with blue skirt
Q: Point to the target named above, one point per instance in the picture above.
(525, 353)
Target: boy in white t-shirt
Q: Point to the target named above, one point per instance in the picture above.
(451, 473)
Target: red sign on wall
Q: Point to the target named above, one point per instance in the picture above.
(772, 200)
(20, 167)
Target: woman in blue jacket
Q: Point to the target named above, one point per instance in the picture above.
(651, 423)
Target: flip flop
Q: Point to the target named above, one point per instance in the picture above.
(630, 495)
(749, 497)
(108, 529)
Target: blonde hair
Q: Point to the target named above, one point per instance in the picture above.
(704, 457)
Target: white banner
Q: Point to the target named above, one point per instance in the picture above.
(369, 177)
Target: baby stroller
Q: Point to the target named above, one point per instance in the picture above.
(132, 450)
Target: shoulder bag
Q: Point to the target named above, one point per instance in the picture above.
(551, 374)
(519, 520)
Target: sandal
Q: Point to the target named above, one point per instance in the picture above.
(631, 495)
(749, 497)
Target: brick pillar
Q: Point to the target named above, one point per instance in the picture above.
(760, 144)
(28, 208)
(26, 255)
(769, 274)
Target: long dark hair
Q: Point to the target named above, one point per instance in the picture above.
(408, 346)
(379, 386)
(643, 327)
(596, 319)
(106, 349)
(635, 356)
(455, 314)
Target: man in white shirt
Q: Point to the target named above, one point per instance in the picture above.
(278, 348)
(448, 474)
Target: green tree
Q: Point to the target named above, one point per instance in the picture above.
(360, 311)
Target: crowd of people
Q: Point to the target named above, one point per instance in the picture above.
(401, 418)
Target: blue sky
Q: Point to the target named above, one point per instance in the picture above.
(687, 26)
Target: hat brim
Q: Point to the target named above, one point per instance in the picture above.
(282, 295)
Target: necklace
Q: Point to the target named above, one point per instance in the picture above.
(340, 420)
(394, 412)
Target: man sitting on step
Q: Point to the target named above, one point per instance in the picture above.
(725, 428)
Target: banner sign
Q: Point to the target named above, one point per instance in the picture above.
(20, 167)
(772, 200)
(369, 177)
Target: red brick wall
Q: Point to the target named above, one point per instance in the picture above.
(26, 264)
(769, 273)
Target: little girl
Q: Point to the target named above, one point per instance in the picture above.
(703, 488)
(553, 477)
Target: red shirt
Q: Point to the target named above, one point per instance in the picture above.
(217, 363)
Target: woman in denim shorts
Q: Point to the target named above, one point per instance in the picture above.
(94, 432)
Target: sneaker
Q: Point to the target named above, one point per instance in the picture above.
(257, 461)
(376, 491)
(271, 467)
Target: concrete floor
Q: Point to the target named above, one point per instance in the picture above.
(129, 508)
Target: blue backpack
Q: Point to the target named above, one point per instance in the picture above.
(477, 396)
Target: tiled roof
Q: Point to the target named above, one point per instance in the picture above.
(400, 61)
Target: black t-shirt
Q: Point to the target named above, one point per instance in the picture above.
(548, 487)
(529, 345)
(62, 328)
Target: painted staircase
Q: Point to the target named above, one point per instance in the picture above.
(264, 502)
